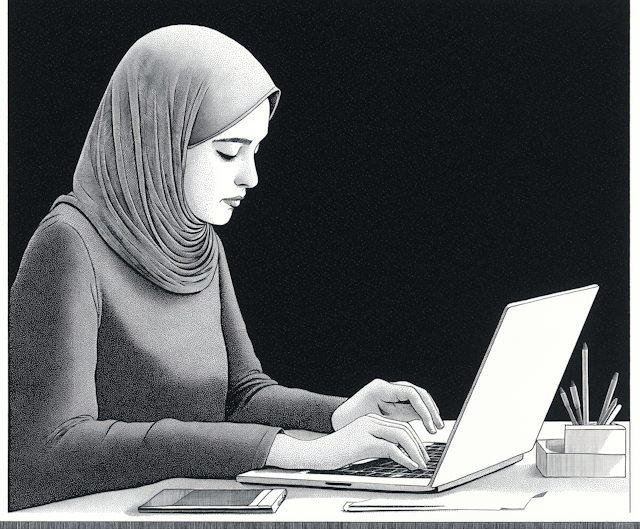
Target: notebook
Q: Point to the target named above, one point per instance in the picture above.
(517, 380)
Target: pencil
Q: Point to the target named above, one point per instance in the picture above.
(607, 399)
(611, 407)
(613, 414)
(576, 401)
(565, 401)
(585, 384)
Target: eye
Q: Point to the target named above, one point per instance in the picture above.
(226, 157)
(228, 150)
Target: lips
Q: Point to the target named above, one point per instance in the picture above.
(234, 202)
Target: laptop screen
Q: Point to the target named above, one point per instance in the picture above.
(516, 383)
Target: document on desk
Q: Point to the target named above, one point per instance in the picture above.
(459, 501)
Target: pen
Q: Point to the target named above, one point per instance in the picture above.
(611, 407)
(565, 401)
(613, 414)
(576, 401)
(607, 399)
(585, 384)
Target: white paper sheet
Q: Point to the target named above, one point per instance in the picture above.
(459, 501)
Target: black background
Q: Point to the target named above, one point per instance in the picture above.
(429, 163)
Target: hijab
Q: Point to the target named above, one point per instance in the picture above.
(176, 87)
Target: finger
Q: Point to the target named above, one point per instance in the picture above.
(407, 393)
(423, 392)
(431, 404)
(393, 452)
(409, 430)
(422, 403)
(398, 396)
(400, 434)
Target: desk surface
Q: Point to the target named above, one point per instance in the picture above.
(567, 499)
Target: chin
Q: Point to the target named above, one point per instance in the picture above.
(220, 220)
(216, 217)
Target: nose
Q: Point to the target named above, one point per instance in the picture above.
(248, 175)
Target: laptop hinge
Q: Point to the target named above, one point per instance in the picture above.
(478, 474)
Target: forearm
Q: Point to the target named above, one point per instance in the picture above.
(93, 456)
(284, 407)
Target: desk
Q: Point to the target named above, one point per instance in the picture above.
(567, 499)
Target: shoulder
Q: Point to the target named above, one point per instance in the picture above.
(68, 223)
(56, 268)
(59, 247)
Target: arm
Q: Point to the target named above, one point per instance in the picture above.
(58, 446)
(253, 396)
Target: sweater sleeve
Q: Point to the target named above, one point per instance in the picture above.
(58, 446)
(253, 396)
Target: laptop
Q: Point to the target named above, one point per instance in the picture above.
(517, 381)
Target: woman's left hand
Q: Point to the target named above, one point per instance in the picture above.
(401, 401)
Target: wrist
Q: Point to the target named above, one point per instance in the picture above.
(340, 417)
(288, 452)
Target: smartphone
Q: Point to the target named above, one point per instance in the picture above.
(216, 501)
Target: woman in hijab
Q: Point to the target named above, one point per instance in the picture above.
(129, 359)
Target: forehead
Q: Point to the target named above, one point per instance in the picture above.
(253, 126)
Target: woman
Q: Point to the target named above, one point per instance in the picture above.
(129, 359)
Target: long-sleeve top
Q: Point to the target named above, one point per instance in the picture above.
(116, 383)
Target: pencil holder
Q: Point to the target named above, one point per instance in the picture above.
(595, 439)
(586, 451)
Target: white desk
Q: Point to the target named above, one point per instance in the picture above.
(567, 499)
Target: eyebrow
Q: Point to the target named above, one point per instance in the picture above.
(236, 140)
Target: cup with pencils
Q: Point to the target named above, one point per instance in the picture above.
(590, 448)
(610, 407)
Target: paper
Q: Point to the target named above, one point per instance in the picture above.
(459, 501)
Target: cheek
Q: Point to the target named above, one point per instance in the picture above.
(199, 169)
(206, 185)
(207, 181)
(197, 179)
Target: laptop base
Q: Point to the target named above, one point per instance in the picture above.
(301, 478)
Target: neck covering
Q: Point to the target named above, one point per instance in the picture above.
(175, 88)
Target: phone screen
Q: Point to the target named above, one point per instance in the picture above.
(218, 497)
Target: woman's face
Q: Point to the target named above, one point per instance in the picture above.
(219, 171)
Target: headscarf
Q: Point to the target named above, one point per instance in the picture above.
(176, 87)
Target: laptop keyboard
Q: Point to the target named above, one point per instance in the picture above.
(388, 468)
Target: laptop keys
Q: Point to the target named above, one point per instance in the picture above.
(387, 468)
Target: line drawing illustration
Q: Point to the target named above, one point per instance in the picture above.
(333, 262)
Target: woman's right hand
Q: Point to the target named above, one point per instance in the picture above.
(369, 436)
